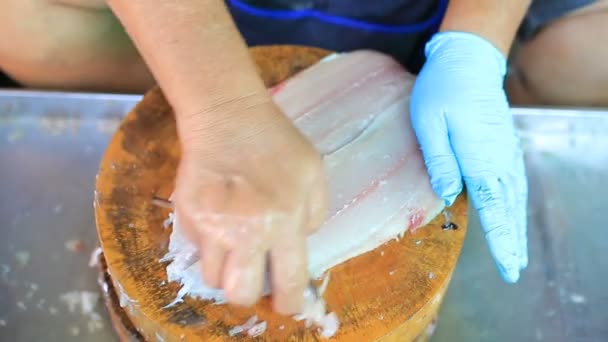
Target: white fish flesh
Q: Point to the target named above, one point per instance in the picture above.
(354, 108)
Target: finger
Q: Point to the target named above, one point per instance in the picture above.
(516, 210)
(243, 276)
(317, 207)
(213, 256)
(521, 201)
(489, 197)
(516, 188)
(432, 134)
(183, 220)
(289, 273)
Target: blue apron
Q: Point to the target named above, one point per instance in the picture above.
(399, 28)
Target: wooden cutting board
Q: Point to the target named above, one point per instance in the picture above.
(390, 294)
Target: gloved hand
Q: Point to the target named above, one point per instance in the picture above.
(464, 126)
(239, 205)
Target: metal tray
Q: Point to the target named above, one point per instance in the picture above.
(51, 144)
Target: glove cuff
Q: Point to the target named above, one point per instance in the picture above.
(457, 45)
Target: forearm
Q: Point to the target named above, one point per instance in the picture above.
(196, 54)
(495, 20)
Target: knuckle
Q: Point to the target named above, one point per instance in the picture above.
(211, 276)
(292, 284)
(241, 297)
(311, 167)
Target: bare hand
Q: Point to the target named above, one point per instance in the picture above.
(248, 191)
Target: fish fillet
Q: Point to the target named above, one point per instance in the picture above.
(354, 108)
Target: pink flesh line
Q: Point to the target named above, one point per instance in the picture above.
(336, 93)
(274, 90)
(373, 185)
(378, 66)
(417, 216)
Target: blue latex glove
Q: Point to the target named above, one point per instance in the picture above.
(464, 126)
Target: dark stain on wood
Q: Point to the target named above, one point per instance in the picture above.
(186, 315)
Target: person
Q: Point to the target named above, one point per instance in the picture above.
(236, 201)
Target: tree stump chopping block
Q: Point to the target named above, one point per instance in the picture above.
(392, 293)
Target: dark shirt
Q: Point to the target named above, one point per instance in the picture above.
(396, 27)
(399, 28)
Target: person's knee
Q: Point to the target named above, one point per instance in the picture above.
(564, 64)
(50, 45)
(540, 64)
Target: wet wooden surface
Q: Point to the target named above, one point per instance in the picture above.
(391, 293)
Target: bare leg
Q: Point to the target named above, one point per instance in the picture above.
(61, 45)
(566, 64)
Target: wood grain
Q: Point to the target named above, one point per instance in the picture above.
(389, 294)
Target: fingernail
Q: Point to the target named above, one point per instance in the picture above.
(510, 276)
(523, 251)
(235, 291)
(449, 192)
(292, 308)
(523, 260)
(449, 201)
